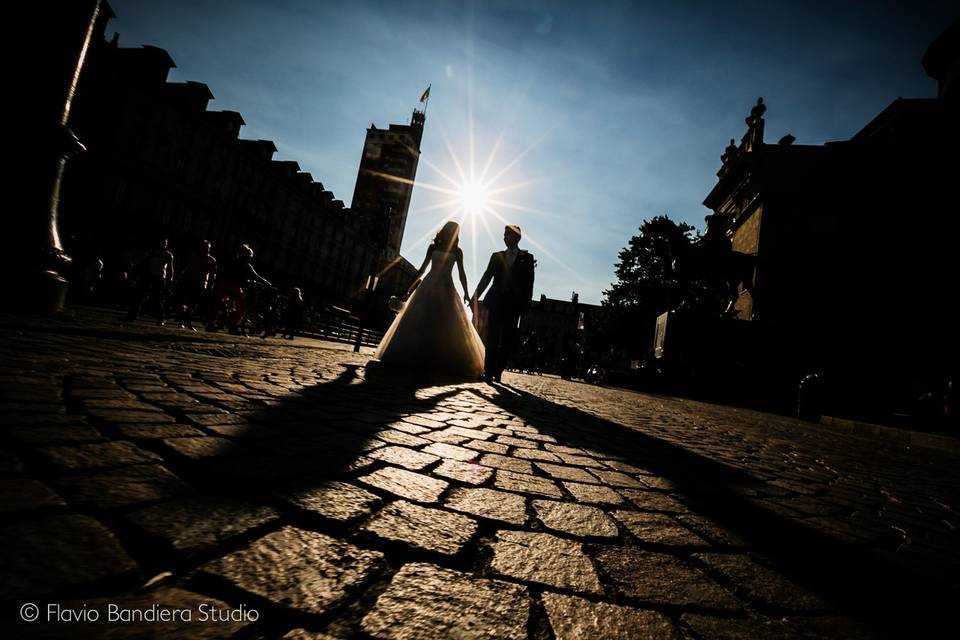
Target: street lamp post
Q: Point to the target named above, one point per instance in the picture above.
(382, 240)
(368, 289)
(38, 254)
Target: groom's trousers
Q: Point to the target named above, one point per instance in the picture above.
(501, 340)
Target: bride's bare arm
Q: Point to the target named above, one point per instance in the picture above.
(463, 278)
(420, 271)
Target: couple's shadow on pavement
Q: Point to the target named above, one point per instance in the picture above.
(326, 433)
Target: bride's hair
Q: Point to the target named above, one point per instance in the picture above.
(447, 239)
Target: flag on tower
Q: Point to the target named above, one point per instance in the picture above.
(426, 95)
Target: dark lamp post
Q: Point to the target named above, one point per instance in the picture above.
(368, 289)
(64, 35)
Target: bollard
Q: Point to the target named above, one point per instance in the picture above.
(808, 398)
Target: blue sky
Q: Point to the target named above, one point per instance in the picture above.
(607, 113)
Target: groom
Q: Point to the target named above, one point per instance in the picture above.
(509, 298)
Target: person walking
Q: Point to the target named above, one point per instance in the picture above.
(511, 273)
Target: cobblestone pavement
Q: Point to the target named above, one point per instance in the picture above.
(266, 489)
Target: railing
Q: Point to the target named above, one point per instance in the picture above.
(339, 328)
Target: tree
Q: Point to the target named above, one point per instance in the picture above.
(645, 287)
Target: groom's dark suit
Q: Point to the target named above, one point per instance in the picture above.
(508, 299)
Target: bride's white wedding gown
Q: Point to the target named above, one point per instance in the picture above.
(432, 332)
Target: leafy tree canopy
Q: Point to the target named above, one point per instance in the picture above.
(644, 282)
(645, 287)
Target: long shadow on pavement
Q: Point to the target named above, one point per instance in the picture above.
(887, 597)
(326, 431)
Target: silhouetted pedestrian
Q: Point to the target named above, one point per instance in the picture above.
(230, 301)
(91, 277)
(293, 314)
(155, 273)
(197, 277)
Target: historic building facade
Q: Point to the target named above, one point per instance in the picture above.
(855, 241)
(160, 164)
(558, 324)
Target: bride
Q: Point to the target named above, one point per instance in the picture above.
(432, 332)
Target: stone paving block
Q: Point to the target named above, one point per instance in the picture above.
(545, 559)
(423, 528)
(648, 500)
(22, 494)
(562, 472)
(121, 487)
(244, 431)
(170, 396)
(663, 484)
(147, 431)
(303, 634)
(536, 454)
(663, 579)
(465, 472)
(403, 457)
(204, 448)
(338, 501)
(406, 484)
(451, 452)
(813, 628)
(507, 463)
(422, 420)
(712, 531)
(522, 483)
(37, 434)
(301, 570)
(471, 423)
(563, 449)
(616, 479)
(55, 553)
(446, 436)
(592, 493)
(487, 447)
(489, 503)
(516, 442)
(739, 628)
(195, 524)
(425, 602)
(95, 406)
(393, 436)
(575, 618)
(576, 519)
(473, 434)
(120, 416)
(408, 427)
(657, 528)
(181, 615)
(533, 434)
(207, 419)
(579, 461)
(96, 456)
(100, 391)
(760, 583)
(624, 467)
